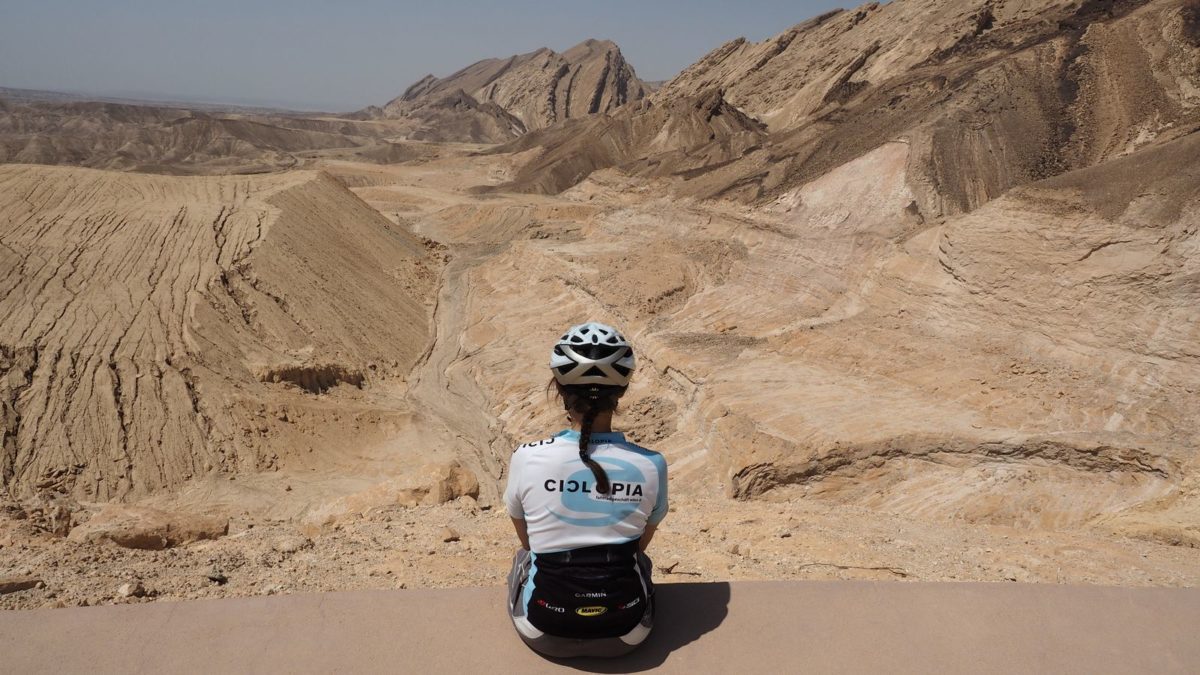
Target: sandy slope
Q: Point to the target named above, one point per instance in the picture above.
(154, 325)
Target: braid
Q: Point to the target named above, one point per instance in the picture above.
(585, 439)
(588, 403)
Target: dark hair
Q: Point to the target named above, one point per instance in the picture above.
(588, 401)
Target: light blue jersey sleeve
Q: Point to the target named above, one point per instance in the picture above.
(661, 505)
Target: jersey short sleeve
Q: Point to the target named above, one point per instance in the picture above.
(512, 491)
(661, 505)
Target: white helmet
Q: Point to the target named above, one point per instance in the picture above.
(592, 353)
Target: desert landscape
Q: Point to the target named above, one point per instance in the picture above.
(914, 287)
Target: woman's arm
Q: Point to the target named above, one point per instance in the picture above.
(647, 535)
(522, 532)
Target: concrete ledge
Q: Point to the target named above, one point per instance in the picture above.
(767, 626)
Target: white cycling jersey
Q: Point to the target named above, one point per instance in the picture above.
(551, 488)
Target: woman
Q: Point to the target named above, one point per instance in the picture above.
(585, 503)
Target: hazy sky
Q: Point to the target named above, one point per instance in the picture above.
(321, 54)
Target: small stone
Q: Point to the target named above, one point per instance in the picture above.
(785, 534)
(217, 577)
(287, 488)
(131, 590)
(15, 585)
(448, 534)
(734, 549)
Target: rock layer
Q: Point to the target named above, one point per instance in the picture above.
(538, 88)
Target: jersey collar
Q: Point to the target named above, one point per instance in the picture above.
(605, 437)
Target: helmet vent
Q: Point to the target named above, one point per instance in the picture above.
(594, 372)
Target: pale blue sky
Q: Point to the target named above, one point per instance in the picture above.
(321, 54)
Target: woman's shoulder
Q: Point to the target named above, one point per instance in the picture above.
(652, 455)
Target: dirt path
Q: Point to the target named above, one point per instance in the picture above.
(442, 386)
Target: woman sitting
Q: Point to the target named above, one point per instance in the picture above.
(585, 503)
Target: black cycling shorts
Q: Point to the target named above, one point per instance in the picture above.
(593, 592)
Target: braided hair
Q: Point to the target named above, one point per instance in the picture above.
(588, 402)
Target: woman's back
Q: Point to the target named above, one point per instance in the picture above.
(556, 494)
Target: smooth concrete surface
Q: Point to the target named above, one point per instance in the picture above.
(794, 627)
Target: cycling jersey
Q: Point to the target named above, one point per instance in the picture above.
(585, 578)
(555, 492)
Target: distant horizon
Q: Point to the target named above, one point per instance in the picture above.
(316, 57)
(166, 98)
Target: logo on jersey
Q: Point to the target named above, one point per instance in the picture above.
(608, 509)
(534, 444)
(552, 608)
(594, 610)
(618, 489)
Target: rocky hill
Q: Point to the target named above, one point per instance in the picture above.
(989, 95)
(539, 88)
(451, 116)
(688, 133)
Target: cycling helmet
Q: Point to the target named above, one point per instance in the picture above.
(592, 354)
